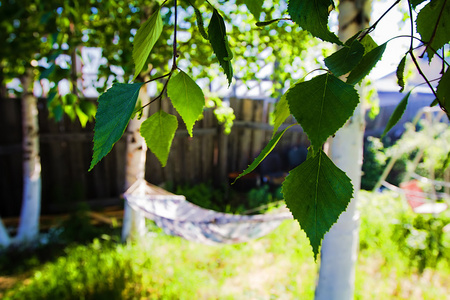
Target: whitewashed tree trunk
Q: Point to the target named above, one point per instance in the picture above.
(5, 240)
(31, 202)
(340, 245)
(133, 226)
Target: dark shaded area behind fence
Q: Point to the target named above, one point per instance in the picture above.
(66, 150)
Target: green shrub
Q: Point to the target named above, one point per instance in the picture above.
(422, 239)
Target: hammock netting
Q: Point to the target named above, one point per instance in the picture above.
(179, 217)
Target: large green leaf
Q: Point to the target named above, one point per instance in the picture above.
(145, 39)
(187, 98)
(400, 74)
(158, 131)
(322, 105)
(397, 114)
(266, 151)
(312, 15)
(219, 42)
(115, 107)
(345, 59)
(317, 192)
(443, 92)
(255, 7)
(366, 65)
(280, 114)
(433, 26)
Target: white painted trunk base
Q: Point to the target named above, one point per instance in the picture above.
(28, 230)
(5, 240)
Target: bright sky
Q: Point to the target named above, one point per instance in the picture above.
(390, 26)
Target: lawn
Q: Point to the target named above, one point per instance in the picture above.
(398, 259)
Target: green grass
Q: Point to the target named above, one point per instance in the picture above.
(278, 266)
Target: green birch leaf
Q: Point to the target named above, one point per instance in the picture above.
(345, 59)
(312, 15)
(115, 107)
(443, 92)
(219, 42)
(145, 39)
(255, 7)
(317, 192)
(397, 114)
(368, 43)
(281, 113)
(158, 131)
(366, 65)
(266, 151)
(433, 26)
(187, 98)
(322, 105)
(400, 74)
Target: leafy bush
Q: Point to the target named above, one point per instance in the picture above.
(227, 200)
(423, 240)
(78, 228)
(388, 224)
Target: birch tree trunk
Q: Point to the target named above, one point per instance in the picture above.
(133, 226)
(5, 240)
(340, 244)
(31, 202)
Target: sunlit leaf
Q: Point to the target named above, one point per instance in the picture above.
(322, 105)
(368, 43)
(312, 15)
(187, 98)
(82, 117)
(397, 114)
(145, 39)
(158, 131)
(317, 192)
(433, 26)
(281, 113)
(345, 59)
(366, 65)
(219, 42)
(266, 151)
(115, 107)
(400, 74)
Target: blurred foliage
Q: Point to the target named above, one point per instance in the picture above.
(423, 240)
(428, 136)
(228, 200)
(166, 267)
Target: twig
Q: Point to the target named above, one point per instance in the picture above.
(372, 27)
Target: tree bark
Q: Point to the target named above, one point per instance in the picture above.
(5, 240)
(133, 226)
(340, 245)
(28, 230)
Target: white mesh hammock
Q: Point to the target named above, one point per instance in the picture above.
(177, 216)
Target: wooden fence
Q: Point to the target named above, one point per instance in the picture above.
(66, 150)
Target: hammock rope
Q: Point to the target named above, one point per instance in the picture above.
(177, 216)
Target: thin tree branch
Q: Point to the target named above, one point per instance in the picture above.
(372, 27)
